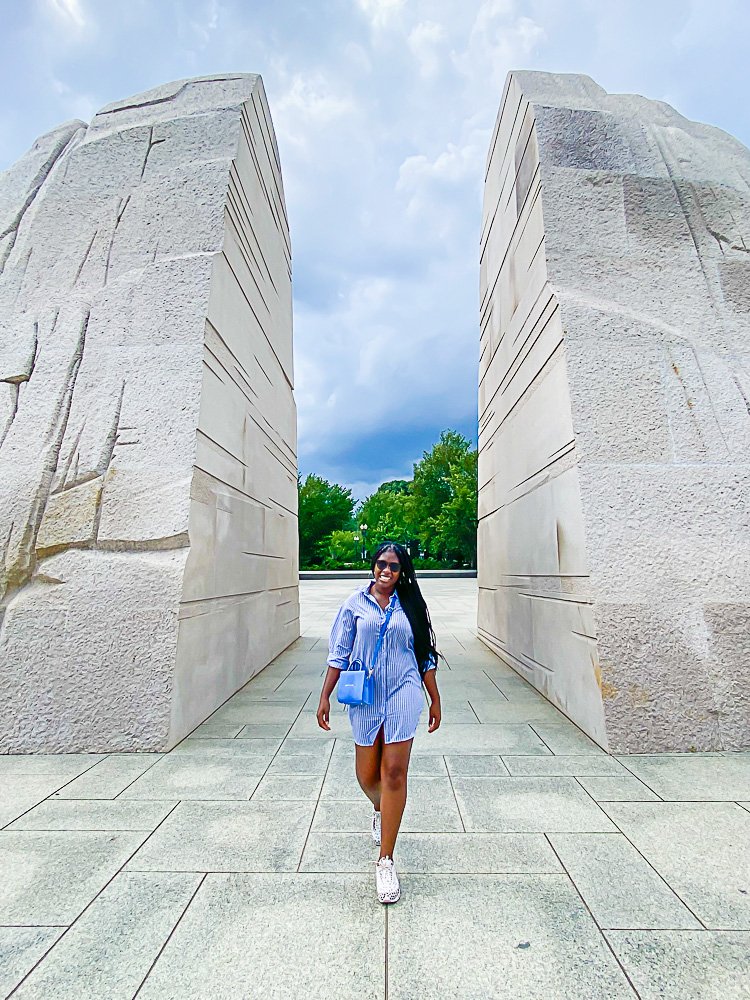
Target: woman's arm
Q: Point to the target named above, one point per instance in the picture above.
(324, 705)
(339, 651)
(430, 682)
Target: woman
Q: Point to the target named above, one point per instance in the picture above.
(384, 731)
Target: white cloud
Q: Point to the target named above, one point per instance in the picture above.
(307, 103)
(425, 41)
(69, 11)
(500, 40)
(74, 104)
(381, 13)
(383, 111)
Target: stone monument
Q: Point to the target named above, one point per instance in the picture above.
(614, 400)
(148, 476)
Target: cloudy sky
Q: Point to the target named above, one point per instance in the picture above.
(383, 111)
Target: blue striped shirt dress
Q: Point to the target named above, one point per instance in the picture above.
(398, 700)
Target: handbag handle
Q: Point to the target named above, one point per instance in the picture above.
(381, 636)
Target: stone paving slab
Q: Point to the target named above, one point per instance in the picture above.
(49, 878)
(199, 777)
(471, 937)
(94, 814)
(694, 777)
(563, 738)
(228, 836)
(561, 766)
(274, 731)
(265, 748)
(616, 788)
(62, 765)
(685, 965)
(288, 787)
(481, 739)
(439, 853)
(290, 936)
(302, 856)
(617, 884)
(21, 792)
(300, 763)
(430, 808)
(20, 950)
(256, 712)
(529, 805)
(110, 777)
(510, 712)
(700, 849)
(111, 947)
(484, 766)
(226, 730)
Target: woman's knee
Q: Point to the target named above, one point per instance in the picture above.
(393, 775)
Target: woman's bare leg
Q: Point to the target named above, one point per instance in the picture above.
(367, 766)
(393, 770)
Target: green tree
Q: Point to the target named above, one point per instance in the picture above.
(388, 514)
(344, 547)
(444, 499)
(456, 525)
(323, 508)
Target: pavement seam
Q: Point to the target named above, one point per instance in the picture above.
(169, 936)
(283, 679)
(93, 900)
(46, 797)
(474, 711)
(160, 757)
(634, 775)
(496, 686)
(273, 758)
(385, 962)
(595, 921)
(651, 866)
(455, 797)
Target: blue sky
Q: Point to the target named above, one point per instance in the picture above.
(383, 111)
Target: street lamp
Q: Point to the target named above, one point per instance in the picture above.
(363, 529)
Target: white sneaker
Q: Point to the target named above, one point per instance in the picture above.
(376, 820)
(386, 881)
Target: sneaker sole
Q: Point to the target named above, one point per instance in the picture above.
(387, 902)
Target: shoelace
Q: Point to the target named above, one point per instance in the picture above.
(389, 871)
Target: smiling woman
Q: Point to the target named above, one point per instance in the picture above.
(384, 629)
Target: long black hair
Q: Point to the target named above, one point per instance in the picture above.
(415, 609)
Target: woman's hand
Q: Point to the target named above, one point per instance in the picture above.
(324, 712)
(435, 715)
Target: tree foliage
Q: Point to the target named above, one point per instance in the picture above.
(387, 514)
(435, 514)
(344, 547)
(323, 508)
(444, 505)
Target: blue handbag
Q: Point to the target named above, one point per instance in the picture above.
(357, 684)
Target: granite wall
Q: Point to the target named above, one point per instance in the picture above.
(148, 496)
(614, 541)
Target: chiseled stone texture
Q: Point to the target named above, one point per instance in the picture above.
(614, 550)
(148, 527)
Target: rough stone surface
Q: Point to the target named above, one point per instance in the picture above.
(614, 551)
(147, 423)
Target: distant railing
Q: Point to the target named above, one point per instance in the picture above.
(364, 574)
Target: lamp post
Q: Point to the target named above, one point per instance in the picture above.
(363, 529)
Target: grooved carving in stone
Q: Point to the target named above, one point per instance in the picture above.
(148, 475)
(614, 551)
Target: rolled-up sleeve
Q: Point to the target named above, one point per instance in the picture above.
(342, 638)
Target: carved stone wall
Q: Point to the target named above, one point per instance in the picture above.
(614, 550)
(148, 524)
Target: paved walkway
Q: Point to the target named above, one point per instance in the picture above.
(238, 866)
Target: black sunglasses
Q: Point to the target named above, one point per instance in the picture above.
(393, 567)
